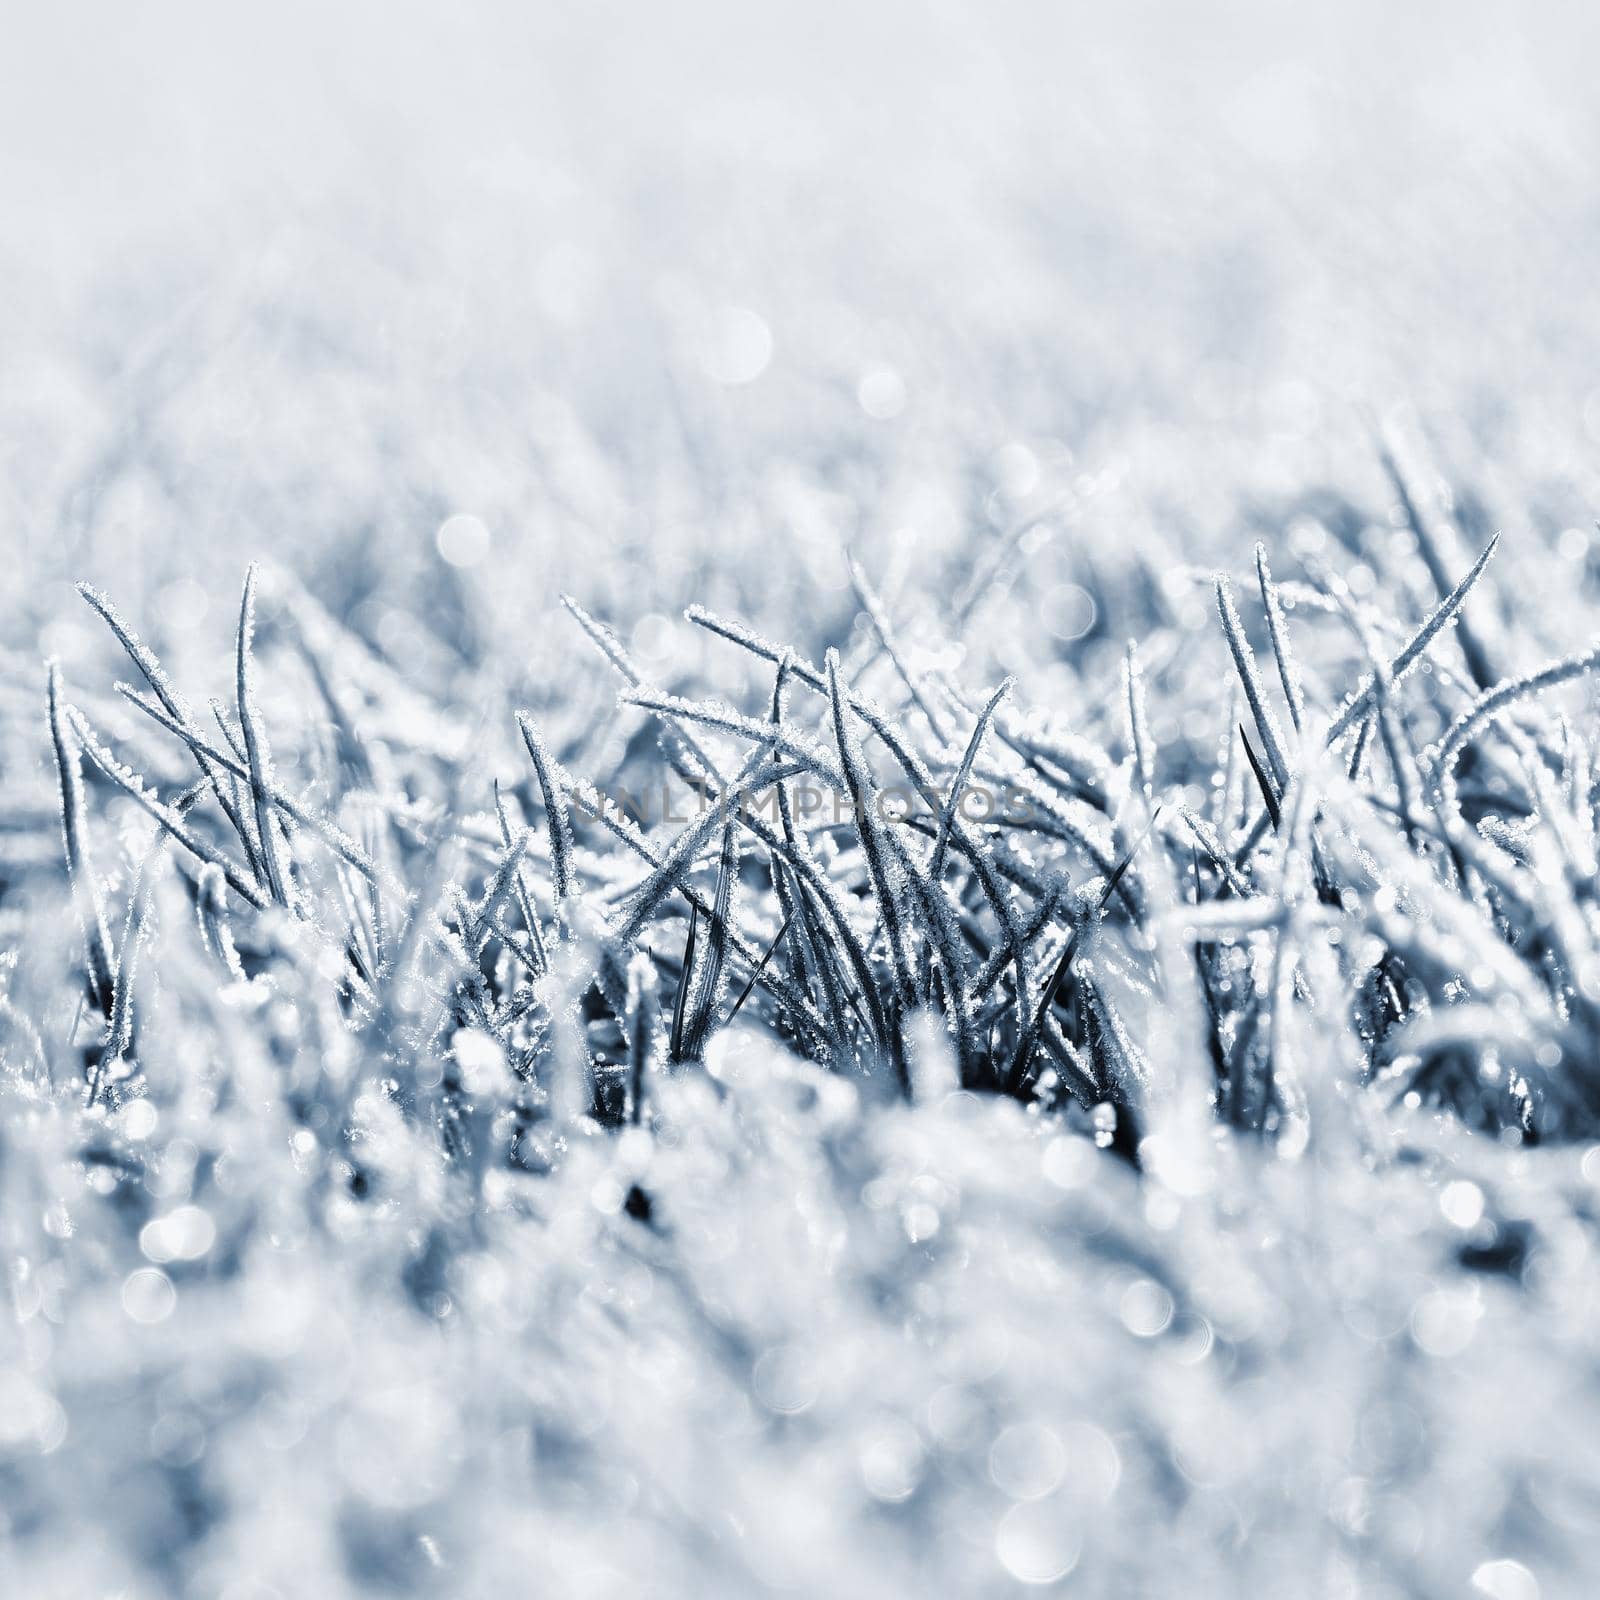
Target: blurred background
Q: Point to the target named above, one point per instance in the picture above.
(446, 307)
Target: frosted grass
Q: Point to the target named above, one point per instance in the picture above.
(423, 1173)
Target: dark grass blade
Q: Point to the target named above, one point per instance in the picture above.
(708, 984)
(235, 770)
(530, 917)
(998, 959)
(669, 872)
(1358, 750)
(1119, 1066)
(1263, 782)
(1472, 648)
(499, 890)
(811, 975)
(686, 977)
(1239, 1060)
(863, 796)
(984, 860)
(100, 965)
(827, 979)
(813, 891)
(153, 673)
(120, 1023)
(1218, 857)
(938, 921)
(916, 771)
(228, 766)
(1438, 619)
(1244, 661)
(1025, 1045)
(558, 823)
(750, 982)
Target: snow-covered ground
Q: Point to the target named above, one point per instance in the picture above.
(409, 1184)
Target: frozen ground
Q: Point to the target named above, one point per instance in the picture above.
(386, 1210)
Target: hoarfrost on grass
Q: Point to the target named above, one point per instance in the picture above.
(1130, 1131)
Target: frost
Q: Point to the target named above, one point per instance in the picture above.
(979, 1137)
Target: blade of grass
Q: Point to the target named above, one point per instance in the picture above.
(133, 785)
(151, 670)
(325, 829)
(1278, 632)
(530, 918)
(1428, 545)
(1263, 782)
(557, 821)
(1244, 661)
(863, 797)
(709, 978)
(1437, 620)
(256, 750)
(761, 966)
(1025, 1045)
(686, 978)
(1138, 727)
(99, 964)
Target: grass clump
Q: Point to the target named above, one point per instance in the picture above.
(933, 1019)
